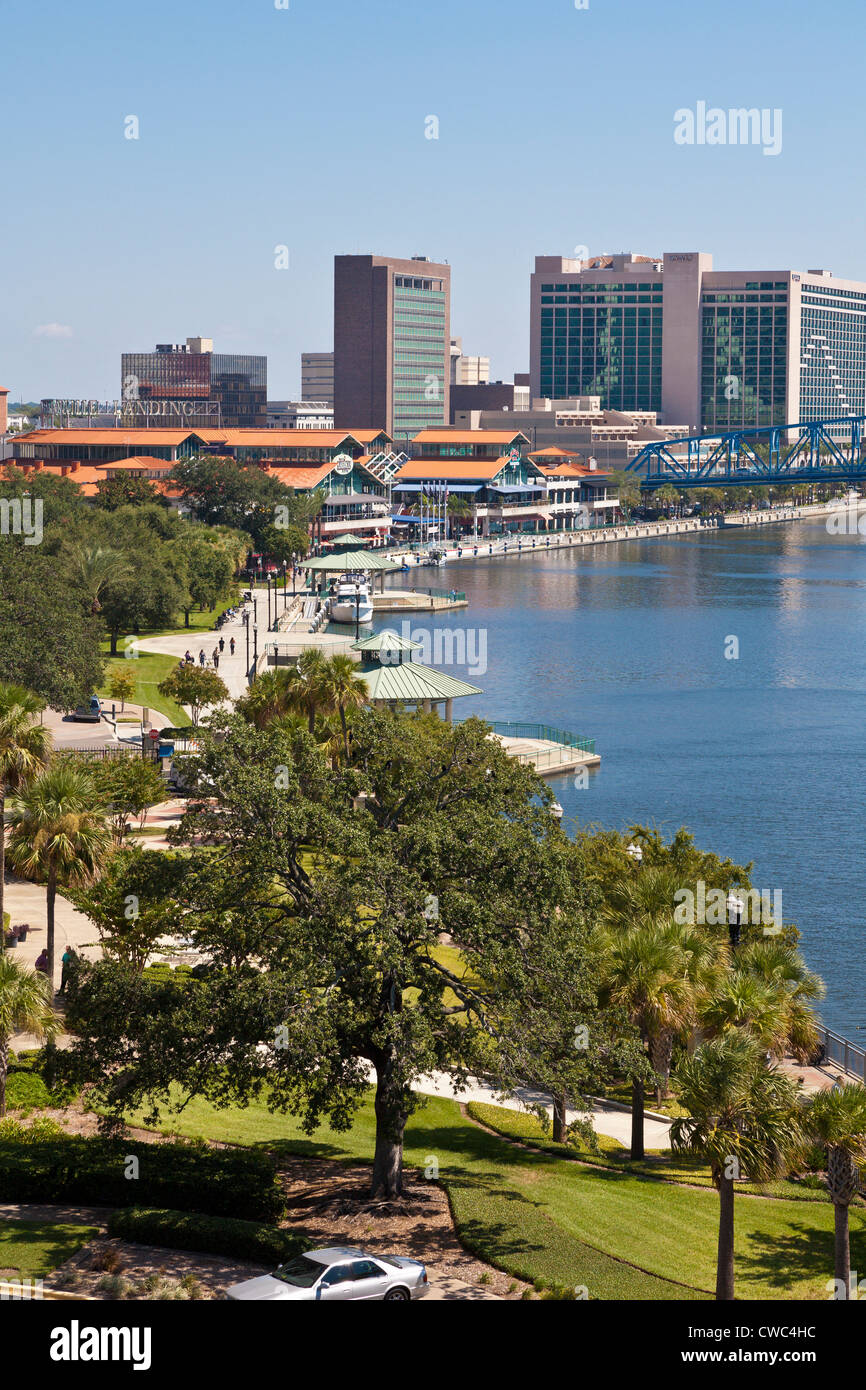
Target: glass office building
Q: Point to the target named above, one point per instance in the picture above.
(235, 384)
(602, 340)
(744, 355)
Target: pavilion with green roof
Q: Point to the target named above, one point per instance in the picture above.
(352, 561)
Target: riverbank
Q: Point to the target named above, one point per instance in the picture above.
(633, 531)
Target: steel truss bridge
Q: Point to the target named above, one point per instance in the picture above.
(812, 451)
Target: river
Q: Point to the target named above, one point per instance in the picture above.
(755, 744)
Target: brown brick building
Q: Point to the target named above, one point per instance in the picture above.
(392, 344)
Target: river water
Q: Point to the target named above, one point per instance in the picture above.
(723, 677)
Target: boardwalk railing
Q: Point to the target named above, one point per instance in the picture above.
(511, 729)
(847, 1055)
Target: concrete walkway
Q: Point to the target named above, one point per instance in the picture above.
(614, 1123)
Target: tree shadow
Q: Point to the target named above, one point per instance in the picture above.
(802, 1249)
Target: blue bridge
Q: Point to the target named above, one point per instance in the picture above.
(813, 451)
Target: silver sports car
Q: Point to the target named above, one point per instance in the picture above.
(338, 1274)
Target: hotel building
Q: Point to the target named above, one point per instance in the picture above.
(317, 377)
(714, 350)
(392, 343)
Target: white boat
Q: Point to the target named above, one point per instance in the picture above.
(350, 600)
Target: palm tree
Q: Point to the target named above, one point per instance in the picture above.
(769, 995)
(24, 750)
(837, 1120)
(645, 973)
(269, 697)
(305, 680)
(59, 835)
(343, 689)
(96, 567)
(24, 1006)
(742, 1120)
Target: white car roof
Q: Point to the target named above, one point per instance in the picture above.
(332, 1253)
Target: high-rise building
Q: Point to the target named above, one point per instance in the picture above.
(227, 389)
(317, 376)
(4, 398)
(467, 370)
(392, 343)
(711, 349)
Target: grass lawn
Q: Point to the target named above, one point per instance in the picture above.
(659, 1163)
(149, 669)
(32, 1249)
(540, 1217)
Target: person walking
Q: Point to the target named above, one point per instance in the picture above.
(65, 967)
(232, 646)
(216, 658)
(222, 645)
(201, 657)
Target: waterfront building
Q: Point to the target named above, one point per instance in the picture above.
(317, 377)
(340, 464)
(500, 487)
(222, 389)
(709, 349)
(392, 343)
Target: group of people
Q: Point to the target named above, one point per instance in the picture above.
(189, 659)
(67, 960)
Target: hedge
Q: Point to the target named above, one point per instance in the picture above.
(182, 1175)
(214, 1235)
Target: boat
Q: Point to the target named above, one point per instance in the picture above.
(350, 600)
(435, 557)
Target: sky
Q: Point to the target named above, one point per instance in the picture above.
(305, 124)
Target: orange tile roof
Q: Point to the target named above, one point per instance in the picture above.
(422, 470)
(139, 461)
(311, 439)
(453, 436)
(554, 451)
(114, 436)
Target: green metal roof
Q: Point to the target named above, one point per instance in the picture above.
(356, 541)
(349, 560)
(411, 682)
(385, 642)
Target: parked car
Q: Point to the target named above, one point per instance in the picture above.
(91, 713)
(338, 1274)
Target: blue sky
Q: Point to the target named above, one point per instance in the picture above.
(305, 127)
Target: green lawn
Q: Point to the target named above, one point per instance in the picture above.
(149, 669)
(541, 1217)
(32, 1249)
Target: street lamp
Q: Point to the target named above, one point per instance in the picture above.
(357, 612)
(268, 581)
(247, 627)
(294, 573)
(635, 854)
(255, 643)
(285, 584)
(735, 907)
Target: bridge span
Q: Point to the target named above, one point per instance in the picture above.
(811, 451)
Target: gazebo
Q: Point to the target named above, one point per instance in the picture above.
(409, 683)
(386, 648)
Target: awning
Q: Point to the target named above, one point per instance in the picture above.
(517, 487)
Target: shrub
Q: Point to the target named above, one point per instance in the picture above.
(185, 1176)
(179, 1230)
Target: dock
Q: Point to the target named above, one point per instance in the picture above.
(549, 751)
(418, 600)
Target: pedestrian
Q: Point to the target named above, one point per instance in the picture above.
(216, 658)
(222, 644)
(232, 646)
(201, 657)
(41, 963)
(65, 967)
(189, 659)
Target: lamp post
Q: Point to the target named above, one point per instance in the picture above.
(255, 644)
(247, 628)
(268, 581)
(635, 854)
(735, 908)
(285, 584)
(357, 612)
(294, 574)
